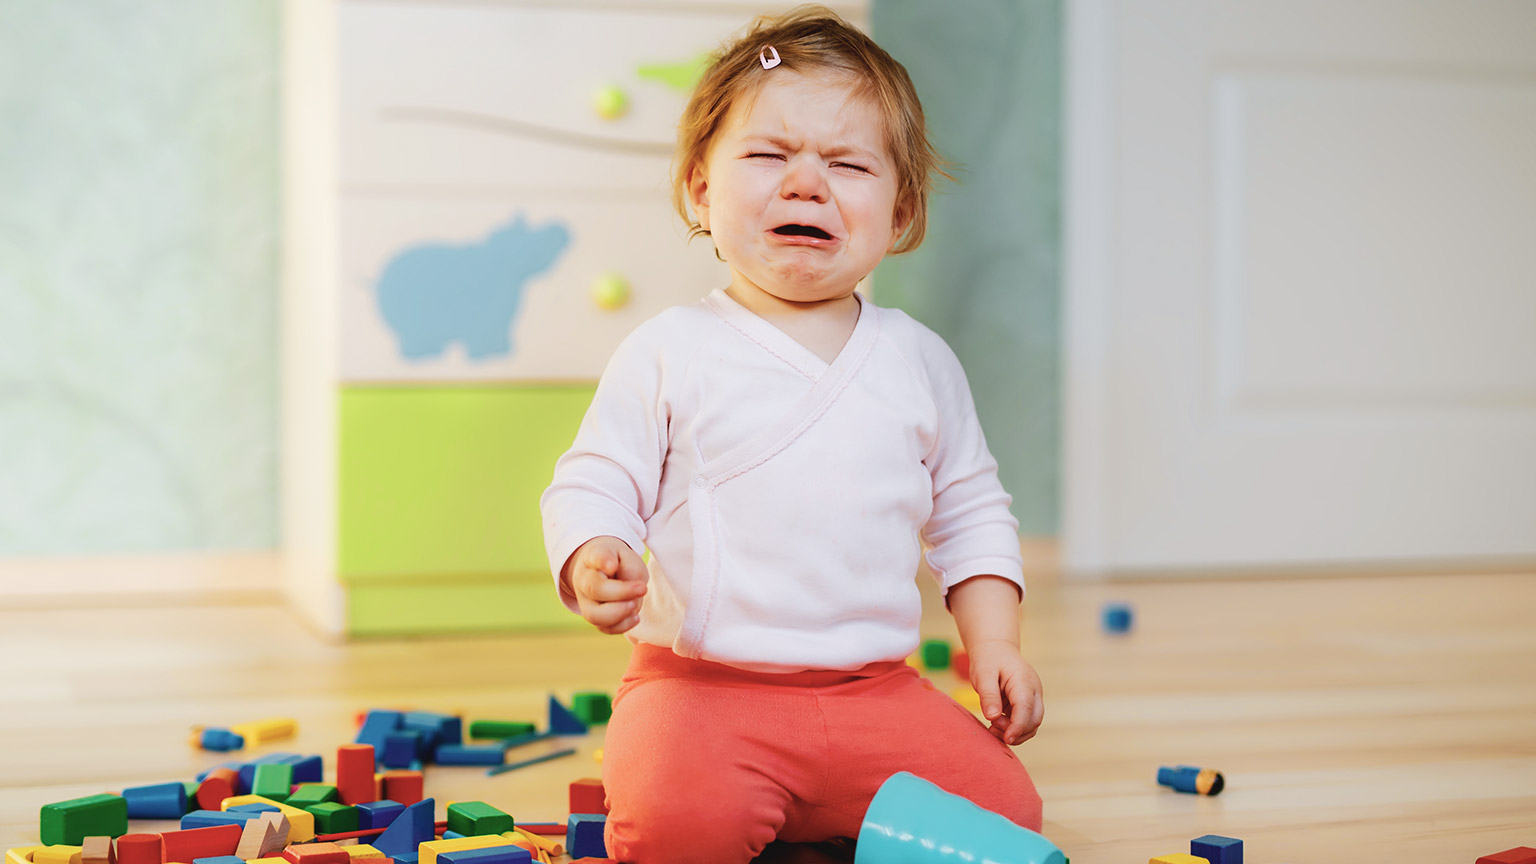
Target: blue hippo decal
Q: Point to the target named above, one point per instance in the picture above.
(433, 296)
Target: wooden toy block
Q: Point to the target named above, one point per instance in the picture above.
(592, 707)
(1187, 778)
(436, 729)
(194, 843)
(332, 817)
(156, 801)
(219, 859)
(301, 823)
(430, 850)
(405, 787)
(1116, 618)
(401, 748)
(255, 839)
(354, 774)
(562, 721)
(247, 770)
(543, 844)
(935, 654)
(460, 754)
(472, 818)
(218, 786)
(140, 849)
(96, 850)
(217, 739)
(1217, 849)
(316, 853)
(20, 854)
(69, 822)
(483, 729)
(404, 836)
(275, 859)
(210, 818)
(968, 698)
(1178, 858)
(363, 850)
(961, 663)
(263, 731)
(274, 781)
(311, 793)
(57, 854)
(282, 830)
(588, 796)
(584, 835)
(508, 854)
(1517, 855)
(376, 726)
(378, 814)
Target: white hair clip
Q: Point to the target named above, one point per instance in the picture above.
(768, 62)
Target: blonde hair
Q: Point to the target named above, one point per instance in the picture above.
(812, 39)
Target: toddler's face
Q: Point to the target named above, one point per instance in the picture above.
(798, 190)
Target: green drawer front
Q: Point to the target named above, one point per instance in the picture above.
(446, 480)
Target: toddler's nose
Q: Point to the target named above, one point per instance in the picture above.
(804, 181)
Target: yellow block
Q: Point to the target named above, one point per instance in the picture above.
(429, 851)
(301, 823)
(276, 860)
(967, 697)
(20, 855)
(1178, 858)
(270, 729)
(362, 850)
(57, 855)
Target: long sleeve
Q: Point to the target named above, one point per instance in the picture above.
(970, 532)
(607, 482)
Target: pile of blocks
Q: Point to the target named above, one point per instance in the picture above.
(276, 809)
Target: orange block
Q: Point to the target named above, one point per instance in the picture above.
(194, 843)
(317, 853)
(218, 785)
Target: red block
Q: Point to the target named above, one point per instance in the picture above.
(316, 853)
(140, 849)
(587, 796)
(1517, 855)
(962, 665)
(195, 843)
(218, 785)
(354, 774)
(404, 787)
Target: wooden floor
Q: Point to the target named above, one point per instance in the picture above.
(1357, 719)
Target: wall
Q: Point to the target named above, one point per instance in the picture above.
(138, 256)
(987, 277)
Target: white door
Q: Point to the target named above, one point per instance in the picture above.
(1301, 284)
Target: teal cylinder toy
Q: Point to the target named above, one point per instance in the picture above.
(912, 821)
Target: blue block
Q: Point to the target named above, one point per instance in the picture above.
(1217, 849)
(255, 807)
(562, 721)
(308, 769)
(219, 859)
(211, 818)
(461, 754)
(435, 729)
(157, 801)
(378, 814)
(214, 738)
(376, 726)
(400, 748)
(584, 835)
(492, 855)
(248, 770)
(453, 835)
(409, 830)
(1117, 618)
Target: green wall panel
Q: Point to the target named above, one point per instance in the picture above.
(987, 278)
(445, 481)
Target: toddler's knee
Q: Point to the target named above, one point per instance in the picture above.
(682, 837)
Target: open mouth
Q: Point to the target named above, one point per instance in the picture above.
(802, 231)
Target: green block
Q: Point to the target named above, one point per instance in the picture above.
(332, 817)
(935, 653)
(68, 823)
(192, 795)
(273, 781)
(592, 706)
(472, 818)
(439, 481)
(311, 793)
(483, 729)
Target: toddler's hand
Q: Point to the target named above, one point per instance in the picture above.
(1012, 699)
(608, 579)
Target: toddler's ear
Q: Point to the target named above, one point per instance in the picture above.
(698, 195)
(901, 220)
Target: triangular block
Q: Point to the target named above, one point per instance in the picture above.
(562, 721)
(409, 830)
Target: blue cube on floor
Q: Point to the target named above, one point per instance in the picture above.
(584, 835)
(1217, 849)
(1117, 618)
(378, 814)
(491, 855)
(157, 801)
(400, 748)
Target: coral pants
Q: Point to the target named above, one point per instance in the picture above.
(708, 763)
